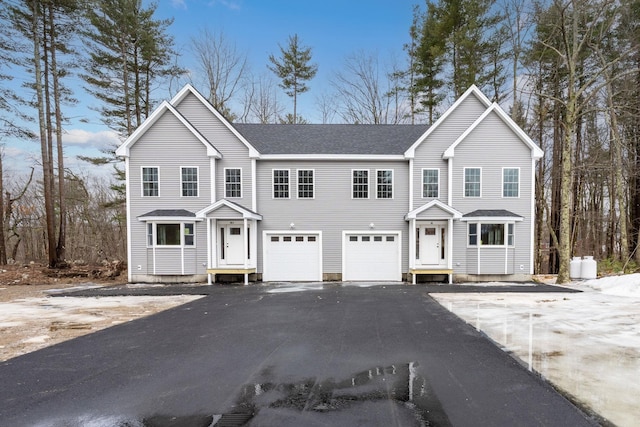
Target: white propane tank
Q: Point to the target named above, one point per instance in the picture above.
(574, 267)
(588, 268)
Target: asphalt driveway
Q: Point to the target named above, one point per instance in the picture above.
(331, 355)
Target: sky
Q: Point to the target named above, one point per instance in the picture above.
(332, 28)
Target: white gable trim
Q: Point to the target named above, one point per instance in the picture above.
(223, 202)
(455, 214)
(124, 149)
(536, 152)
(188, 89)
(411, 152)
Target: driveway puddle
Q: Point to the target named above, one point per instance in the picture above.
(396, 383)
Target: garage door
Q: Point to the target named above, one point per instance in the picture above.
(292, 257)
(372, 256)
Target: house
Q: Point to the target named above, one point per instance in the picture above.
(329, 202)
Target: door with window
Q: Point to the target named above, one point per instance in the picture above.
(431, 239)
(231, 243)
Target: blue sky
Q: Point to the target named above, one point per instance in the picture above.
(332, 28)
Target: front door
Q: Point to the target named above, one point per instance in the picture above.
(231, 244)
(430, 244)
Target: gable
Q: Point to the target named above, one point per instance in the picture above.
(493, 125)
(181, 127)
(209, 120)
(455, 120)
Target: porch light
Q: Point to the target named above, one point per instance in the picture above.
(372, 225)
(292, 226)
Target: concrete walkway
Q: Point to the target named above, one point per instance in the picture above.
(261, 356)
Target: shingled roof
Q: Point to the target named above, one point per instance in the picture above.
(331, 138)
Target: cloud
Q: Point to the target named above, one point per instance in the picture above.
(179, 4)
(229, 4)
(90, 140)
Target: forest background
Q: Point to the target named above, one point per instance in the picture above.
(568, 72)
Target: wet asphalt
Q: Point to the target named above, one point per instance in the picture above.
(385, 355)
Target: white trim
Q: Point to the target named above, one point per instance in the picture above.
(371, 157)
(224, 176)
(397, 233)
(265, 255)
(411, 152)
(412, 243)
(188, 89)
(197, 168)
(492, 219)
(519, 180)
(181, 223)
(455, 214)
(169, 219)
(223, 202)
(212, 179)
(464, 183)
(393, 193)
(254, 186)
(128, 208)
(273, 184)
(422, 196)
(313, 184)
(532, 216)
(450, 182)
(124, 149)
(142, 181)
(536, 152)
(479, 244)
(411, 184)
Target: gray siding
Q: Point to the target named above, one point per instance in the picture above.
(169, 146)
(333, 209)
(224, 212)
(493, 146)
(429, 154)
(234, 153)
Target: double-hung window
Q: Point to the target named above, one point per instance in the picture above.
(430, 183)
(360, 182)
(510, 182)
(189, 181)
(281, 183)
(150, 182)
(472, 182)
(233, 182)
(384, 184)
(305, 184)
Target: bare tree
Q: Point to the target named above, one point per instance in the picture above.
(222, 68)
(261, 103)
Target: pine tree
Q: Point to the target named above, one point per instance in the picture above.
(294, 69)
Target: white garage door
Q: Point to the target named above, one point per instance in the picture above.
(372, 256)
(292, 257)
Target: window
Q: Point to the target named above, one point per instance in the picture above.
(189, 179)
(360, 184)
(491, 234)
(150, 182)
(473, 234)
(233, 182)
(305, 184)
(472, 181)
(510, 182)
(280, 184)
(431, 183)
(178, 234)
(384, 184)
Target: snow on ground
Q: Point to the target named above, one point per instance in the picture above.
(586, 344)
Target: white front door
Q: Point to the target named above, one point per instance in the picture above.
(430, 244)
(231, 243)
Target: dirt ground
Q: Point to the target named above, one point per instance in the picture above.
(31, 318)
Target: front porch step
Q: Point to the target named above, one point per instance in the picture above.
(211, 273)
(416, 271)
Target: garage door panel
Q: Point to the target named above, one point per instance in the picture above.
(292, 257)
(372, 257)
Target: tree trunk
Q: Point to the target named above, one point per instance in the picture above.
(3, 242)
